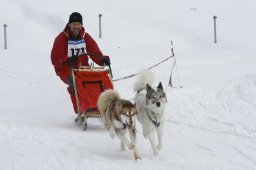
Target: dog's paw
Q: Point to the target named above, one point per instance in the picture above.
(159, 147)
(156, 152)
(137, 157)
(131, 146)
(156, 157)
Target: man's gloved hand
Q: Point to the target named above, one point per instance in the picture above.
(106, 60)
(73, 59)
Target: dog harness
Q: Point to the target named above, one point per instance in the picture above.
(154, 121)
(125, 126)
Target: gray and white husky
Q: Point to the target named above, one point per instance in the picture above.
(150, 104)
(118, 116)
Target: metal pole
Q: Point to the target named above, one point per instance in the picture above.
(215, 32)
(100, 25)
(5, 37)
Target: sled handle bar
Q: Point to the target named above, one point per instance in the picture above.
(100, 57)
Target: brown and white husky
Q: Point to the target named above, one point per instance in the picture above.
(118, 116)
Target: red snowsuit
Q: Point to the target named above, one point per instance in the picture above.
(60, 58)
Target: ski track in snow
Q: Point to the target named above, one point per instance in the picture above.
(218, 117)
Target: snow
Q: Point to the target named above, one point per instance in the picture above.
(210, 122)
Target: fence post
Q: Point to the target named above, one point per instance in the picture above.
(100, 25)
(215, 32)
(5, 37)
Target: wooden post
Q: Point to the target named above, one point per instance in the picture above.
(5, 37)
(215, 32)
(100, 36)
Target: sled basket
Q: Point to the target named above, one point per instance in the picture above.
(89, 83)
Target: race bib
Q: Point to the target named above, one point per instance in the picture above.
(76, 47)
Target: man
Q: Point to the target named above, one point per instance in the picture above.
(71, 49)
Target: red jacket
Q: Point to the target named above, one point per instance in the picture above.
(59, 56)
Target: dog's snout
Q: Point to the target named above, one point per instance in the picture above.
(130, 125)
(158, 104)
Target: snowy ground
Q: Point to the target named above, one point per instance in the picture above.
(210, 122)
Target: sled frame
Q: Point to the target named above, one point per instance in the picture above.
(89, 113)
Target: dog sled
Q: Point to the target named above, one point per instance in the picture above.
(89, 82)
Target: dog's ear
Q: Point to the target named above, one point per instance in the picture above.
(160, 86)
(149, 88)
(135, 109)
(117, 106)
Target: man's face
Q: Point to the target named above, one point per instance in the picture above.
(75, 28)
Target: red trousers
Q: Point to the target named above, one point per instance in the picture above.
(73, 98)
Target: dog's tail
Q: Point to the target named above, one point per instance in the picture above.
(145, 77)
(107, 99)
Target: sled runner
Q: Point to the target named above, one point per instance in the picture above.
(89, 82)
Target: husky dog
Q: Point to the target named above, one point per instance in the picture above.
(150, 104)
(119, 115)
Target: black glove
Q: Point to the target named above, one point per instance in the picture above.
(73, 59)
(106, 60)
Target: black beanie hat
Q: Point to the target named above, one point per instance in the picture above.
(75, 17)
